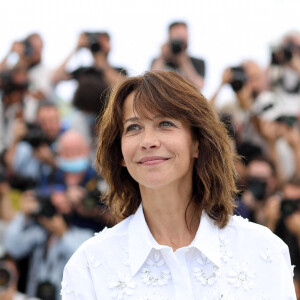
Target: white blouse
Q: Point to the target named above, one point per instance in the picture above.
(242, 261)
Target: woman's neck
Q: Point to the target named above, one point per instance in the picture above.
(170, 218)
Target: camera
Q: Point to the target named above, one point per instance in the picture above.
(35, 135)
(288, 207)
(284, 54)
(288, 120)
(177, 46)
(46, 291)
(5, 277)
(94, 43)
(22, 183)
(257, 187)
(91, 200)
(28, 49)
(239, 78)
(45, 207)
(3, 177)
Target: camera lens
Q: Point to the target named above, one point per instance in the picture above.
(5, 278)
(239, 78)
(177, 46)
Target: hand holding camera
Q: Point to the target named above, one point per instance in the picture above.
(18, 47)
(19, 130)
(82, 41)
(44, 154)
(91, 40)
(174, 50)
(292, 135)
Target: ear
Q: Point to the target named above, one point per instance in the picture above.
(196, 154)
(196, 151)
(123, 164)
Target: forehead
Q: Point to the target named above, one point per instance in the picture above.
(139, 107)
(47, 111)
(291, 191)
(259, 169)
(71, 141)
(178, 28)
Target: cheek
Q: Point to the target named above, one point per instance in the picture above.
(127, 151)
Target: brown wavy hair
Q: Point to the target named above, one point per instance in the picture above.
(168, 94)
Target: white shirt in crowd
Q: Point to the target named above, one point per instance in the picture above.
(242, 261)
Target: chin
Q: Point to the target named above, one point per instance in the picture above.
(155, 182)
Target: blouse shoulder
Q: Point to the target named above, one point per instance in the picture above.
(101, 243)
(255, 232)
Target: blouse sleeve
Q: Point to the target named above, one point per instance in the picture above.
(77, 283)
(286, 275)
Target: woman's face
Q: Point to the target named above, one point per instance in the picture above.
(157, 151)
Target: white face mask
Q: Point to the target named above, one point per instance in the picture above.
(75, 165)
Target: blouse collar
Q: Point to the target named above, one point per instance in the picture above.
(141, 241)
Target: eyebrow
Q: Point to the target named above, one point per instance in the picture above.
(135, 119)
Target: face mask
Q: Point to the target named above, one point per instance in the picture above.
(75, 165)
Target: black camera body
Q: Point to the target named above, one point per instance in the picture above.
(91, 200)
(239, 78)
(258, 188)
(35, 136)
(94, 43)
(288, 207)
(284, 54)
(46, 290)
(288, 120)
(28, 48)
(45, 207)
(3, 175)
(177, 46)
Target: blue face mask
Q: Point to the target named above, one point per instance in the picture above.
(75, 165)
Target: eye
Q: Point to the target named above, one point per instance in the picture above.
(132, 127)
(166, 124)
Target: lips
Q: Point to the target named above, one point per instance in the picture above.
(152, 160)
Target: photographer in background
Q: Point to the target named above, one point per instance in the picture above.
(80, 180)
(277, 123)
(32, 154)
(13, 88)
(27, 54)
(248, 81)
(94, 82)
(284, 70)
(260, 184)
(174, 56)
(288, 226)
(43, 231)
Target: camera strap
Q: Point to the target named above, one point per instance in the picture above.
(50, 258)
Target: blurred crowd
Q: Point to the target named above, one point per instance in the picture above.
(49, 188)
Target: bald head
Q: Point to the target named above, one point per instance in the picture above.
(72, 144)
(256, 76)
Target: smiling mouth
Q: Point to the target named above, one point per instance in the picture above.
(150, 161)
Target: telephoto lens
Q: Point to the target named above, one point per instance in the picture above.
(5, 277)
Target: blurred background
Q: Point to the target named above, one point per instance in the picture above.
(58, 62)
(223, 32)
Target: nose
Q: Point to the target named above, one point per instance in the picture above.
(149, 140)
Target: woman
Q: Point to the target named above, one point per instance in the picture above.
(171, 176)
